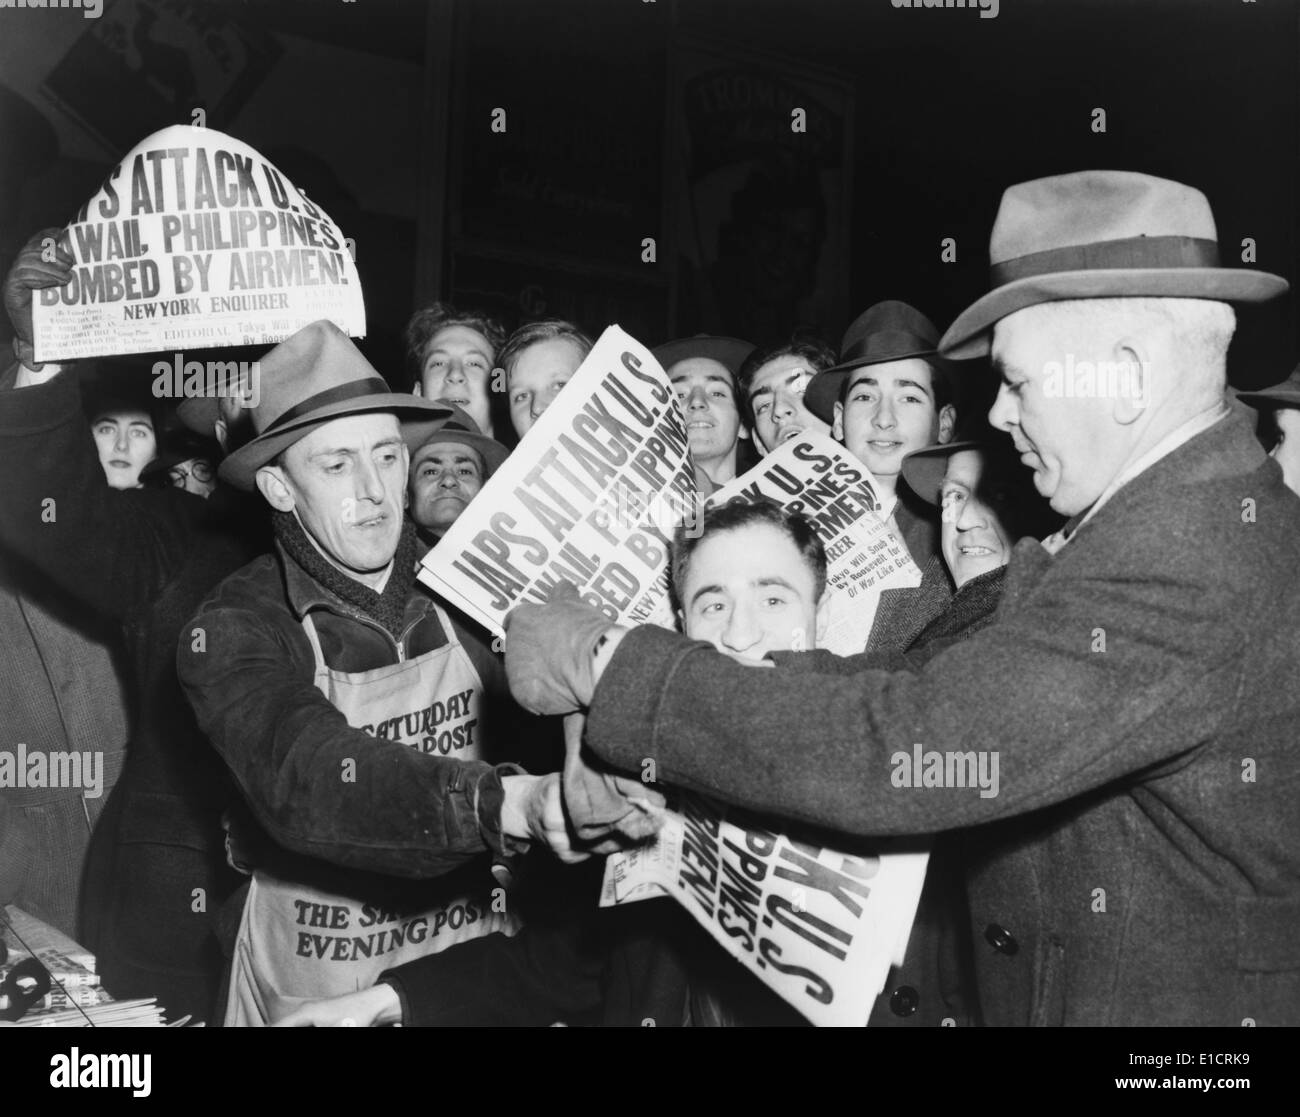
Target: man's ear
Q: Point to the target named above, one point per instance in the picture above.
(947, 422)
(222, 433)
(275, 488)
(417, 389)
(681, 622)
(837, 426)
(1132, 387)
(823, 616)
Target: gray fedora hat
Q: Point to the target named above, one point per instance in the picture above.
(311, 378)
(1101, 234)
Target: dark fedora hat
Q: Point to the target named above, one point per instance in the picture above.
(887, 331)
(729, 352)
(456, 428)
(1101, 234)
(1286, 394)
(315, 376)
(924, 470)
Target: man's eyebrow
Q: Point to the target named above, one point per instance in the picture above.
(1002, 368)
(900, 383)
(774, 580)
(715, 588)
(473, 349)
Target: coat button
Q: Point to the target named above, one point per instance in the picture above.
(1000, 939)
(904, 1001)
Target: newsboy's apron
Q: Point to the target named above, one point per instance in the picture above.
(300, 941)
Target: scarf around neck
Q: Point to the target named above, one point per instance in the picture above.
(387, 608)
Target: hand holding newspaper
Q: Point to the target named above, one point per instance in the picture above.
(592, 495)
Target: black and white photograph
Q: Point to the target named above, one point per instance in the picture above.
(643, 514)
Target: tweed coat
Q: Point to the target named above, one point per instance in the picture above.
(1140, 861)
(903, 613)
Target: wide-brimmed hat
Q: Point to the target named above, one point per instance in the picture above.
(1286, 394)
(730, 352)
(1101, 234)
(457, 428)
(315, 376)
(924, 469)
(887, 331)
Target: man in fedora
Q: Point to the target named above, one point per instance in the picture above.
(346, 705)
(703, 370)
(451, 463)
(1279, 424)
(890, 396)
(1140, 858)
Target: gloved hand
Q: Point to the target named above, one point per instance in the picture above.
(550, 652)
(43, 262)
(608, 812)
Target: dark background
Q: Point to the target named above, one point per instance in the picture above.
(381, 110)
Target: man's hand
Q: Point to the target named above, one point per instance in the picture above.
(534, 810)
(551, 651)
(367, 1008)
(43, 262)
(608, 812)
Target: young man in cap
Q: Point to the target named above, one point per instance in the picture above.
(448, 468)
(888, 397)
(1150, 848)
(143, 559)
(1279, 424)
(703, 370)
(345, 704)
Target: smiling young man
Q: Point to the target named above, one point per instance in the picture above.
(344, 702)
(454, 352)
(890, 396)
(1133, 686)
(703, 372)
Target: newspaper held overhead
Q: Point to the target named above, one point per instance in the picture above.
(591, 495)
(196, 241)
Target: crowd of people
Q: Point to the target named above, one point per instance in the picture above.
(329, 797)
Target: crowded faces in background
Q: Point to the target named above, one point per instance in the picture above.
(448, 469)
(704, 371)
(772, 384)
(454, 353)
(538, 360)
(125, 438)
(1279, 425)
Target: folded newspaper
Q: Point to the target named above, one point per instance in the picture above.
(592, 495)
